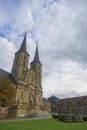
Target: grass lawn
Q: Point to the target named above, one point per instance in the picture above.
(45, 124)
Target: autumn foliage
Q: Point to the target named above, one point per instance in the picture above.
(7, 92)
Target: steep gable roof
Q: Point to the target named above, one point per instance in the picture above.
(5, 74)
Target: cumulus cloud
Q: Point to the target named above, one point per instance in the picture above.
(69, 79)
(60, 28)
(7, 50)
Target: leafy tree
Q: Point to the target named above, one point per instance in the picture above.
(7, 92)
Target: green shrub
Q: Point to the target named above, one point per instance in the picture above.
(85, 118)
(55, 116)
(66, 118)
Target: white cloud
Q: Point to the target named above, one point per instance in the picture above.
(31, 47)
(60, 28)
(3, 16)
(65, 79)
(7, 50)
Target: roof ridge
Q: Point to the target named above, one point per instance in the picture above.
(5, 71)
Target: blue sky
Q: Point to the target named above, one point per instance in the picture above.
(60, 27)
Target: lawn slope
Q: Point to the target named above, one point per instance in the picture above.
(46, 124)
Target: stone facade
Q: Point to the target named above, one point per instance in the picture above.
(75, 105)
(28, 83)
(69, 106)
(4, 112)
(46, 105)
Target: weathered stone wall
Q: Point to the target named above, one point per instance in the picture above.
(46, 106)
(20, 65)
(75, 105)
(4, 112)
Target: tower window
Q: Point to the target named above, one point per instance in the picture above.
(25, 57)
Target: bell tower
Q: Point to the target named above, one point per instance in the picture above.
(20, 64)
(36, 66)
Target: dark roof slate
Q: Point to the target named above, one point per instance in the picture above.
(36, 57)
(5, 74)
(23, 46)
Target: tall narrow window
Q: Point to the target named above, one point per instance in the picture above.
(25, 57)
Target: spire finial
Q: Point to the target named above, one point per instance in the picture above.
(36, 57)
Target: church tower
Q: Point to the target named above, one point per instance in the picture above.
(36, 66)
(20, 64)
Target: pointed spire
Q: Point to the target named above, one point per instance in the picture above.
(36, 57)
(23, 45)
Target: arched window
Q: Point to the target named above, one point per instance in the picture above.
(25, 57)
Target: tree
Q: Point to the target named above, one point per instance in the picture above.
(7, 92)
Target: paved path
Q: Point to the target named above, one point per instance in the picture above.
(23, 119)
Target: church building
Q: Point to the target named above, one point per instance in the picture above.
(28, 82)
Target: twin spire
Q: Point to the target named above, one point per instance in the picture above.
(23, 48)
(36, 57)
